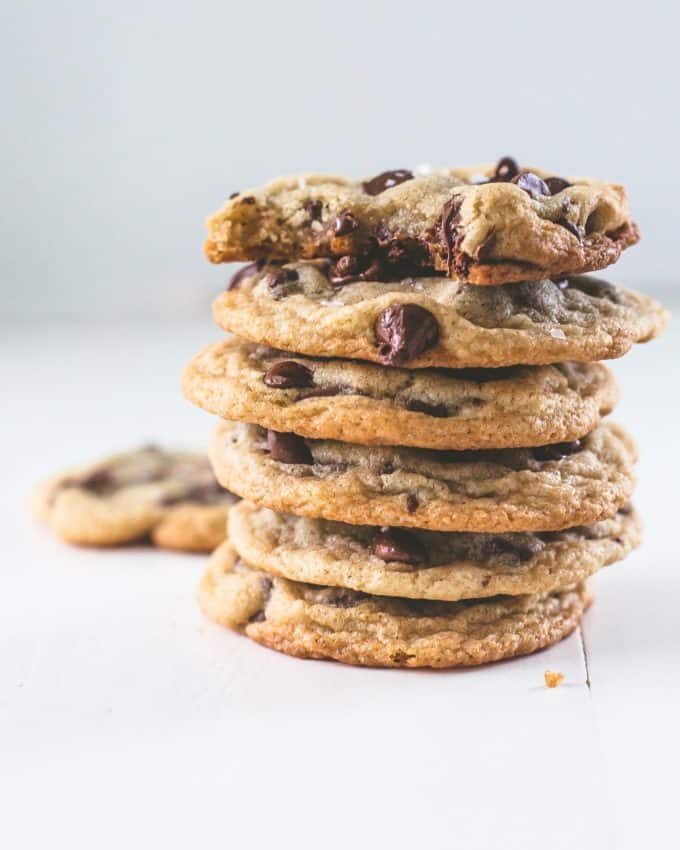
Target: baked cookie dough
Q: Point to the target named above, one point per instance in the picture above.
(172, 497)
(421, 564)
(373, 405)
(311, 621)
(540, 489)
(434, 321)
(485, 225)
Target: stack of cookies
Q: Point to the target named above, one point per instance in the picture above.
(412, 412)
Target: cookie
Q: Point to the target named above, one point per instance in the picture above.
(540, 489)
(372, 405)
(171, 496)
(487, 225)
(419, 564)
(418, 322)
(311, 621)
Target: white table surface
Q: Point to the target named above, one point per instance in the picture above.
(129, 721)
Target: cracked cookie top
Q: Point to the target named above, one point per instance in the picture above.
(537, 489)
(485, 225)
(434, 321)
(369, 404)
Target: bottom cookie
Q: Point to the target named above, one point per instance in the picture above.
(313, 621)
(170, 497)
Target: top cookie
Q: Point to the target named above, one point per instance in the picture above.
(486, 225)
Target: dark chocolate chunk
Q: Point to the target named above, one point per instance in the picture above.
(556, 451)
(418, 406)
(387, 467)
(412, 503)
(506, 170)
(287, 374)
(278, 277)
(403, 332)
(234, 195)
(243, 273)
(345, 224)
(557, 184)
(346, 266)
(396, 544)
(386, 180)
(98, 480)
(448, 233)
(515, 549)
(288, 448)
(532, 184)
(314, 208)
(574, 229)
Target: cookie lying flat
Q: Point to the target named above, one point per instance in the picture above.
(427, 564)
(435, 321)
(331, 622)
(511, 226)
(373, 405)
(540, 489)
(173, 496)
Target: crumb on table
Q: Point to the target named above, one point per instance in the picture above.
(552, 679)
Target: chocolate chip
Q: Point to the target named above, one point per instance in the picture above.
(557, 184)
(517, 549)
(506, 170)
(345, 224)
(314, 208)
(556, 451)
(288, 448)
(396, 544)
(532, 184)
(412, 503)
(387, 467)
(97, 481)
(626, 510)
(243, 273)
(418, 406)
(386, 180)
(276, 278)
(403, 332)
(249, 199)
(574, 229)
(448, 233)
(346, 266)
(234, 195)
(287, 374)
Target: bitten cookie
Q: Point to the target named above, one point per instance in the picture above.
(374, 405)
(421, 564)
(539, 489)
(310, 621)
(418, 322)
(486, 225)
(171, 496)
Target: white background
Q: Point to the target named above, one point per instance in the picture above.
(125, 123)
(126, 720)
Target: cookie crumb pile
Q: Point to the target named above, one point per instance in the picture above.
(413, 410)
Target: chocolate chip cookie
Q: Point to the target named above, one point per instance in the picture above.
(419, 564)
(172, 497)
(434, 321)
(373, 405)
(540, 489)
(486, 225)
(312, 621)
